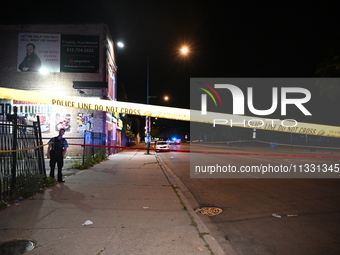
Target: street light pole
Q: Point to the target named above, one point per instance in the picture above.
(184, 51)
(147, 118)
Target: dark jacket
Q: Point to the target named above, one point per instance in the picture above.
(30, 63)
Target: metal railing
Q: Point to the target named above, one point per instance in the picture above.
(93, 138)
(21, 154)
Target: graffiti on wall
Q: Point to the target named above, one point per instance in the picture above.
(84, 122)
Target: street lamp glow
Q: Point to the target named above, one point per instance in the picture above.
(184, 50)
(120, 45)
(166, 98)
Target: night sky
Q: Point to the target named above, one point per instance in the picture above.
(226, 39)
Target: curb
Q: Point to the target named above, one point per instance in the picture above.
(215, 239)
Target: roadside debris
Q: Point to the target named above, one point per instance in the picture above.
(279, 216)
(199, 248)
(88, 222)
(276, 216)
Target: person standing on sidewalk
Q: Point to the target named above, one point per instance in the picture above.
(57, 147)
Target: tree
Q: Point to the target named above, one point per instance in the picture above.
(329, 68)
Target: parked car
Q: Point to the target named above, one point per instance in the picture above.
(162, 146)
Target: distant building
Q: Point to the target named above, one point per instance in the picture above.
(72, 60)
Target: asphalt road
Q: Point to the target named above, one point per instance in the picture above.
(309, 206)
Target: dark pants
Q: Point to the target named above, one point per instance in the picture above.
(57, 158)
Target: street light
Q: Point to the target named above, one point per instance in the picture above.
(149, 122)
(184, 51)
(148, 118)
(120, 44)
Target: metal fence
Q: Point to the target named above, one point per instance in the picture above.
(21, 154)
(93, 138)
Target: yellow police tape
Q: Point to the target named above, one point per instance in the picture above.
(301, 146)
(170, 113)
(25, 149)
(281, 144)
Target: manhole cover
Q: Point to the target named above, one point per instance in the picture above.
(16, 247)
(210, 211)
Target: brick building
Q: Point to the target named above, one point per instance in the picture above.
(73, 60)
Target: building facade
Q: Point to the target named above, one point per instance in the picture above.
(72, 60)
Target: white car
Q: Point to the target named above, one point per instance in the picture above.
(162, 146)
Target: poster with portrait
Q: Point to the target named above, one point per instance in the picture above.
(38, 52)
(63, 120)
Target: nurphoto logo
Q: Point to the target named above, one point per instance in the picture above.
(238, 99)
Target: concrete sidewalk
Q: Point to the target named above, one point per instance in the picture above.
(132, 204)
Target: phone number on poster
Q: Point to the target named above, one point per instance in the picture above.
(79, 50)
